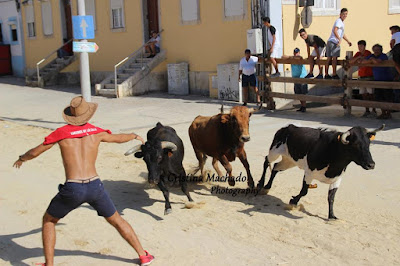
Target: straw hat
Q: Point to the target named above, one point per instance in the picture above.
(79, 111)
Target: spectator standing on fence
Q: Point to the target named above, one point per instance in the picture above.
(365, 74)
(334, 42)
(319, 51)
(299, 71)
(247, 69)
(395, 30)
(274, 44)
(381, 74)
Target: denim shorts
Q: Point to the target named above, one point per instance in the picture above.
(332, 49)
(72, 195)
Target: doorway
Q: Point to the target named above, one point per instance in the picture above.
(150, 18)
(66, 27)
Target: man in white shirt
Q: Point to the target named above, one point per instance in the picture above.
(395, 30)
(247, 69)
(334, 42)
(274, 44)
(153, 45)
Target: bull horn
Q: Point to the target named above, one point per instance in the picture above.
(253, 110)
(134, 149)
(344, 136)
(378, 129)
(225, 112)
(168, 145)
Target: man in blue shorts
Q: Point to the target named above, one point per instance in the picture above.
(79, 142)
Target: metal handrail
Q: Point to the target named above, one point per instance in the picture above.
(44, 59)
(125, 59)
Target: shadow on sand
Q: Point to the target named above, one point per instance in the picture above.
(15, 254)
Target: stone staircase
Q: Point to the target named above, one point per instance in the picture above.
(49, 73)
(129, 75)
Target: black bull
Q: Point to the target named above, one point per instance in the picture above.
(163, 153)
(323, 155)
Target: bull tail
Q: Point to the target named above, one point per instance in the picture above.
(194, 170)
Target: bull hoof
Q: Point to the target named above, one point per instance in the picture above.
(332, 218)
(293, 202)
(167, 211)
(259, 186)
(231, 182)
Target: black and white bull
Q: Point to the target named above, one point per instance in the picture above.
(322, 154)
(163, 153)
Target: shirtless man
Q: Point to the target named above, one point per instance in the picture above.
(79, 142)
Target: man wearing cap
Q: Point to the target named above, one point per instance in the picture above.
(247, 69)
(79, 142)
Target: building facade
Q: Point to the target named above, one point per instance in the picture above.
(203, 33)
(11, 33)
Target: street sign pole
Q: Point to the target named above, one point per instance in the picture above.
(84, 59)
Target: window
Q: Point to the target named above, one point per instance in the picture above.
(14, 33)
(117, 14)
(394, 6)
(30, 20)
(31, 29)
(326, 7)
(235, 9)
(47, 17)
(190, 11)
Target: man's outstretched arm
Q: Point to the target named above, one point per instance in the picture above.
(31, 154)
(120, 138)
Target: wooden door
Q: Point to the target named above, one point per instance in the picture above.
(68, 24)
(152, 15)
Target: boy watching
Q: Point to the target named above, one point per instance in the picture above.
(364, 73)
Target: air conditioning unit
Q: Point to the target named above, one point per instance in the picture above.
(254, 41)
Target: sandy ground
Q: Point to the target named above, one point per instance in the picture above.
(222, 229)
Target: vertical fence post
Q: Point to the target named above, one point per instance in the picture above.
(348, 76)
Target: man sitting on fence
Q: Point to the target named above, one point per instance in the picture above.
(298, 71)
(319, 51)
(381, 74)
(364, 73)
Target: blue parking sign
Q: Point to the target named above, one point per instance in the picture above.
(83, 27)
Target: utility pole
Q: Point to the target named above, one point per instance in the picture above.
(84, 61)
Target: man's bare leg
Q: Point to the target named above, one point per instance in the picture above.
(273, 61)
(152, 48)
(245, 94)
(334, 66)
(311, 59)
(319, 66)
(328, 61)
(126, 231)
(49, 237)
(258, 94)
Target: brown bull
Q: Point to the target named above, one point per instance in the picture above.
(222, 137)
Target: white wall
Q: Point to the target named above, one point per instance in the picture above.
(8, 16)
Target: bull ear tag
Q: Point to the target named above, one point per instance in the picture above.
(338, 137)
(372, 137)
(169, 154)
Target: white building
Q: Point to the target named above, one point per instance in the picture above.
(11, 33)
